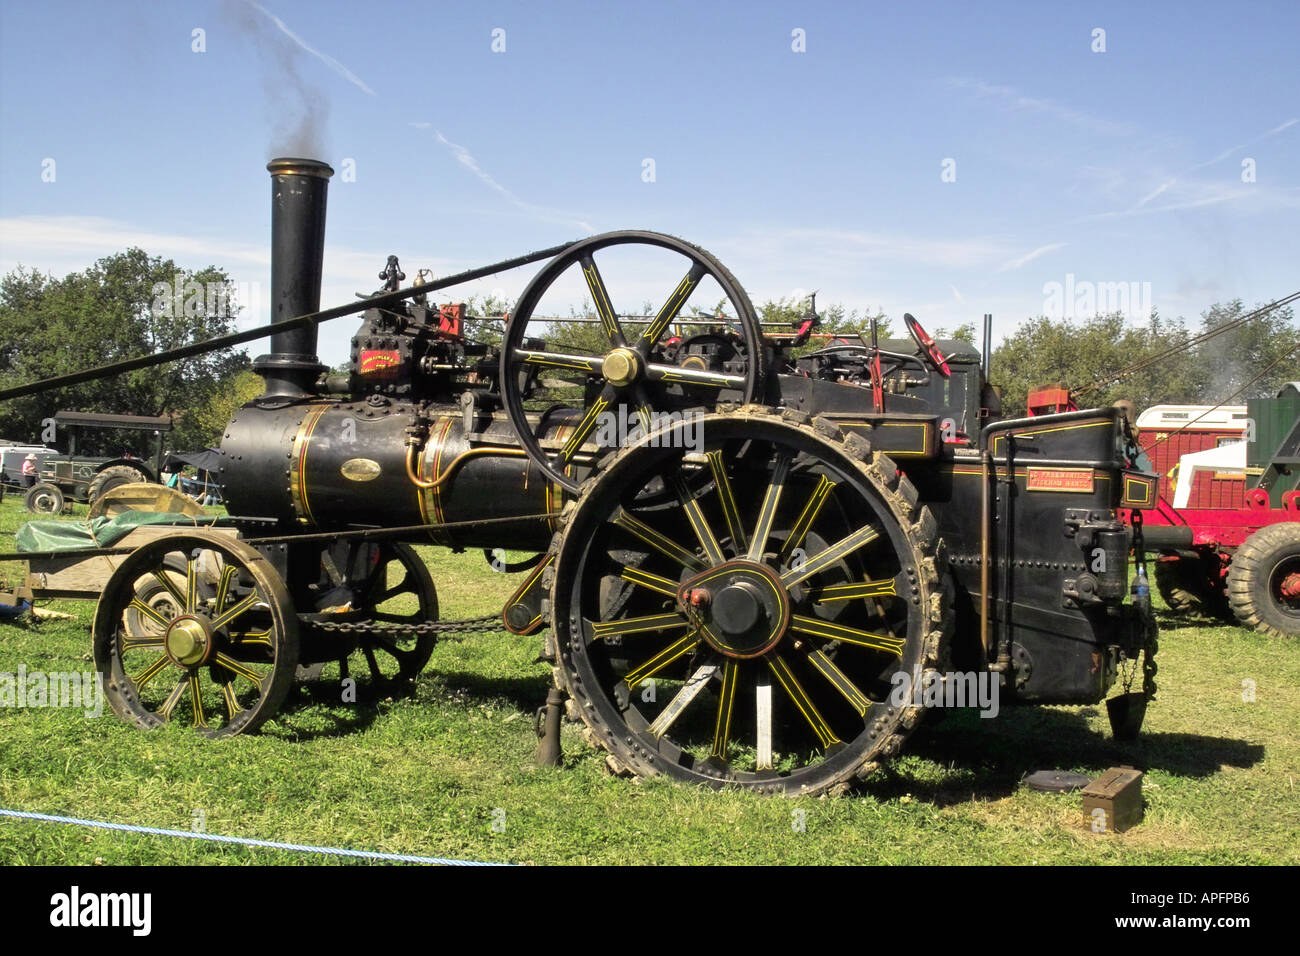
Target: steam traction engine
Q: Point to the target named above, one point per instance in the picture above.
(727, 594)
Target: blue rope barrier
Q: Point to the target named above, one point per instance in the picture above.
(242, 841)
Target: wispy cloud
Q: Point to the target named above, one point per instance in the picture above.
(325, 58)
(466, 159)
(1012, 99)
(1163, 187)
(1014, 264)
(1232, 150)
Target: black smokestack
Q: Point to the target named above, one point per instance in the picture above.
(298, 191)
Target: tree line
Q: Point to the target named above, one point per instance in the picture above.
(131, 304)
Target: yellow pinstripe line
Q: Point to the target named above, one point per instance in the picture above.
(661, 660)
(837, 632)
(840, 681)
(802, 701)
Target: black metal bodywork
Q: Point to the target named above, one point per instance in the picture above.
(415, 435)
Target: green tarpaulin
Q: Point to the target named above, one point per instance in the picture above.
(97, 532)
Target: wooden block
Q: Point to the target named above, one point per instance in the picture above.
(1113, 802)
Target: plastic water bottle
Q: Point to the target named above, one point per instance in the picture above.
(1141, 589)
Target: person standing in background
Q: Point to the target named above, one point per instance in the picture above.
(29, 471)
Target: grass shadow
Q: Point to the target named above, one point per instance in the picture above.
(524, 693)
(987, 759)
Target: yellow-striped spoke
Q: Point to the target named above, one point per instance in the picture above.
(767, 513)
(840, 681)
(665, 546)
(600, 296)
(699, 523)
(150, 672)
(885, 588)
(600, 630)
(590, 364)
(727, 499)
(648, 580)
(232, 612)
(644, 410)
(149, 612)
(806, 517)
(223, 587)
(802, 702)
(228, 694)
(131, 643)
(664, 317)
(830, 556)
(683, 645)
(191, 585)
(163, 578)
(574, 442)
(174, 698)
(726, 704)
(816, 627)
(238, 667)
(677, 375)
(196, 694)
(262, 637)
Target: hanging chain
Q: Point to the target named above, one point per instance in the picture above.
(469, 625)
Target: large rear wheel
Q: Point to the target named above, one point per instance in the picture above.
(736, 601)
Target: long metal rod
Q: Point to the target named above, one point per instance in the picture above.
(298, 322)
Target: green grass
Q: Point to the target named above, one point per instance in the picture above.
(425, 774)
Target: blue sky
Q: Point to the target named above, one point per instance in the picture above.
(800, 170)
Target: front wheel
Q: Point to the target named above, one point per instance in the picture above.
(196, 626)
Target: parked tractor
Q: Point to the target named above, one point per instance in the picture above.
(1227, 522)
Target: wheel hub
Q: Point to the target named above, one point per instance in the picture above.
(740, 607)
(622, 366)
(188, 641)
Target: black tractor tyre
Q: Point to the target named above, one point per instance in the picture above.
(44, 499)
(114, 477)
(1268, 560)
(1191, 586)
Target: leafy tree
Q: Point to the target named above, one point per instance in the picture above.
(1233, 359)
(963, 333)
(210, 419)
(836, 320)
(125, 305)
(1088, 355)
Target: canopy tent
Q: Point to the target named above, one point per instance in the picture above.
(209, 459)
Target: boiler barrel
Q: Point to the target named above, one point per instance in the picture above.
(326, 466)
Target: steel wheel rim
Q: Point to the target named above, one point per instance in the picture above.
(790, 670)
(237, 676)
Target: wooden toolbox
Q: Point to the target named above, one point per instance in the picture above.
(1113, 802)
